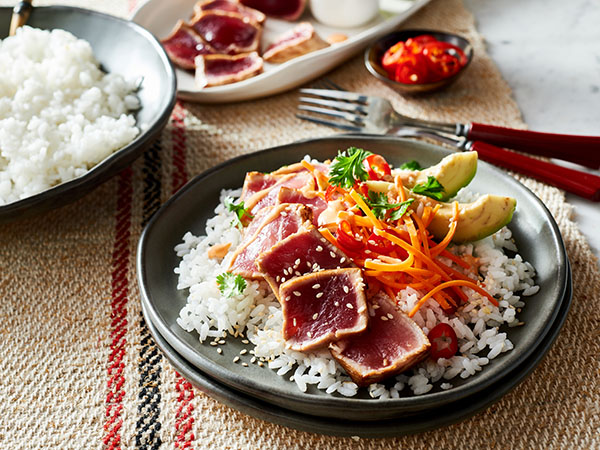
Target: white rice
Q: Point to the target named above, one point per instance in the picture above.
(257, 315)
(59, 113)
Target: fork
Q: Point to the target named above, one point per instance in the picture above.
(374, 115)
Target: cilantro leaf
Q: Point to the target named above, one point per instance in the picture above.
(431, 188)
(411, 165)
(230, 284)
(239, 209)
(379, 204)
(347, 167)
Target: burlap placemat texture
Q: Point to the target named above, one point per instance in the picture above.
(78, 368)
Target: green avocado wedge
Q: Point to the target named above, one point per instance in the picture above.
(476, 220)
(453, 172)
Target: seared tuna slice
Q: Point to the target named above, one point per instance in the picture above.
(268, 197)
(281, 9)
(184, 44)
(256, 182)
(308, 198)
(299, 254)
(228, 33)
(279, 223)
(229, 6)
(217, 70)
(322, 307)
(296, 42)
(392, 344)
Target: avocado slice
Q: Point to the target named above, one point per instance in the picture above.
(453, 172)
(476, 220)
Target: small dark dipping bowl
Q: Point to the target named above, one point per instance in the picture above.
(375, 52)
(121, 47)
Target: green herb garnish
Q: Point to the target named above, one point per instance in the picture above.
(379, 204)
(239, 209)
(411, 165)
(431, 188)
(230, 284)
(347, 168)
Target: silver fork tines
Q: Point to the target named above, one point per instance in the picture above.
(337, 95)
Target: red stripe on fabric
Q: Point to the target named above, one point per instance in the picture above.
(184, 419)
(118, 315)
(179, 174)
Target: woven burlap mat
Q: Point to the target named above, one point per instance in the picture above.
(78, 368)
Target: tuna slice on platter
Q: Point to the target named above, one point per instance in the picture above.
(268, 197)
(217, 70)
(309, 198)
(301, 253)
(392, 344)
(229, 6)
(279, 223)
(227, 33)
(280, 9)
(321, 307)
(298, 41)
(183, 45)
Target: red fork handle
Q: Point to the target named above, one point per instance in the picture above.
(584, 184)
(584, 150)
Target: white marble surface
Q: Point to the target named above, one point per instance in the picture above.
(549, 53)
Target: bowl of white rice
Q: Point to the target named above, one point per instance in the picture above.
(82, 95)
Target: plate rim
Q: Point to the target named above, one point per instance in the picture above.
(303, 398)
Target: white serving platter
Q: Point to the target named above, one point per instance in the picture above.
(160, 16)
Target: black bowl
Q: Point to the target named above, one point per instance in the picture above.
(375, 52)
(121, 47)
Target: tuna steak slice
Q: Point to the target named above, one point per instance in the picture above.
(184, 44)
(217, 70)
(392, 344)
(322, 307)
(226, 32)
(308, 198)
(229, 6)
(256, 182)
(268, 196)
(281, 9)
(279, 223)
(296, 42)
(299, 254)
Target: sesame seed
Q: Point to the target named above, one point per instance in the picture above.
(319, 248)
(236, 359)
(213, 343)
(222, 341)
(253, 360)
(297, 262)
(337, 303)
(384, 318)
(287, 299)
(385, 362)
(297, 294)
(390, 316)
(342, 260)
(245, 341)
(349, 305)
(282, 279)
(294, 321)
(277, 278)
(297, 273)
(368, 252)
(323, 240)
(283, 213)
(319, 295)
(333, 255)
(260, 364)
(316, 286)
(346, 290)
(285, 271)
(315, 315)
(245, 364)
(309, 334)
(243, 352)
(220, 350)
(308, 264)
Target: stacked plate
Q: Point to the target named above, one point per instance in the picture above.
(260, 392)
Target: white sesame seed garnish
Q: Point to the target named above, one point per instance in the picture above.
(297, 273)
(253, 360)
(213, 343)
(245, 364)
(309, 334)
(297, 294)
(337, 304)
(368, 252)
(385, 362)
(319, 295)
(308, 264)
(342, 259)
(323, 240)
(390, 316)
(219, 350)
(236, 359)
(384, 318)
(283, 279)
(283, 213)
(297, 262)
(245, 341)
(260, 364)
(294, 321)
(376, 306)
(277, 278)
(346, 290)
(287, 299)
(243, 352)
(315, 315)
(319, 248)
(349, 305)
(333, 255)
(316, 286)
(285, 271)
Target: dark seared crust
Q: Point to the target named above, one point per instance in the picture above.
(204, 79)
(364, 376)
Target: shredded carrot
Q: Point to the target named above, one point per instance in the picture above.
(422, 232)
(389, 292)
(327, 235)
(389, 267)
(363, 206)
(308, 166)
(448, 238)
(400, 187)
(447, 284)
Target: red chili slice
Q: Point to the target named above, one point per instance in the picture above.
(379, 245)
(346, 238)
(377, 167)
(444, 343)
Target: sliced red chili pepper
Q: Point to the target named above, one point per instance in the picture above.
(333, 193)
(377, 167)
(346, 238)
(362, 188)
(379, 245)
(412, 71)
(444, 343)
(392, 56)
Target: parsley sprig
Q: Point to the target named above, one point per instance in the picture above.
(239, 209)
(431, 188)
(411, 165)
(347, 168)
(230, 284)
(379, 204)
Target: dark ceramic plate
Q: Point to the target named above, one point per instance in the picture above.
(533, 227)
(433, 418)
(121, 47)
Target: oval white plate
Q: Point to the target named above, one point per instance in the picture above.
(159, 17)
